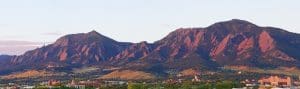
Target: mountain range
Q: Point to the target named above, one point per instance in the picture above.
(229, 43)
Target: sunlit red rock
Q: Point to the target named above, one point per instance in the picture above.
(234, 42)
(266, 42)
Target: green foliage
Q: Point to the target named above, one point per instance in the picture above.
(171, 86)
(228, 85)
(205, 86)
(89, 87)
(137, 86)
(40, 87)
(131, 86)
(63, 87)
(114, 87)
(55, 87)
(187, 85)
(256, 87)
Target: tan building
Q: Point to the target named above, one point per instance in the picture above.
(83, 84)
(276, 81)
(53, 83)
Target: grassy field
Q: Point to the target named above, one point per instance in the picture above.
(281, 70)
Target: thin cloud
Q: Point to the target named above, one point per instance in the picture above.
(12, 47)
(17, 43)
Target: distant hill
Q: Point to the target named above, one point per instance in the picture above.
(229, 43)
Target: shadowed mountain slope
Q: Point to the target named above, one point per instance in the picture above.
(229, 43)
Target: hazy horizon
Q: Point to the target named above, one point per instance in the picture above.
(45, 21)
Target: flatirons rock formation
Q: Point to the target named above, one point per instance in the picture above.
(75, 49)
(4, 59)
(229, 43)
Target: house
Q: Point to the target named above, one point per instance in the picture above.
(83, 84)
(250, 82)
(53, 83)
(276, 81)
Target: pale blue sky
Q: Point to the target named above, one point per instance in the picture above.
(135, 20)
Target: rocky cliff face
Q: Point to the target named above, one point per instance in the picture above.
(75, 49)
(4, 59)
(244, 43)
(179, 44)
(4, 63)
(234, 42)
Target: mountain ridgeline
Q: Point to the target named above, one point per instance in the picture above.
(229, 43)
